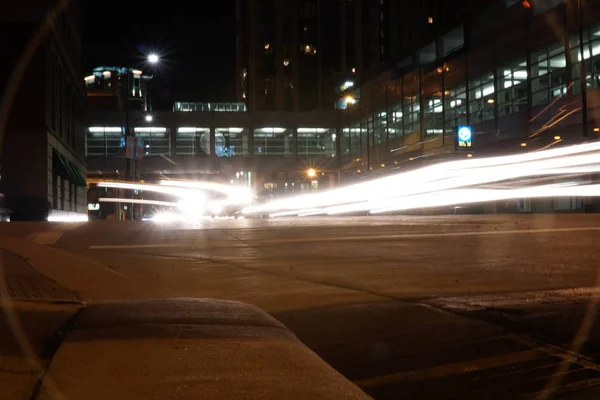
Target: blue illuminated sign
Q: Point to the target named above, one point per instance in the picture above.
(465, 136)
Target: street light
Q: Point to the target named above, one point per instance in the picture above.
(148, 118)
(153, 58)
(311, 173)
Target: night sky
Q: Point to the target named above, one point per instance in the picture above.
(195, 39)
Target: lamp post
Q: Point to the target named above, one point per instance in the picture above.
(152, 58)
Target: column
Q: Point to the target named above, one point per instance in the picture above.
(173, 139)
(338, 146)
(295, 146)
(212, 152)
(286, 144)
(279, 56)
(251, 140)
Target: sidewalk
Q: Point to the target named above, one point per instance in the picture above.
(387, 348)
(33, 307)
(26, 330)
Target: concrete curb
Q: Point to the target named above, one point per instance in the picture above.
(80, 275)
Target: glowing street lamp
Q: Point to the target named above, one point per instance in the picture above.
(350, 100)
(148, 118)
(311, 173)
(153, 58)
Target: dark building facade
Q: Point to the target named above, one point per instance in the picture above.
(296, 55)
(43, 169)
(292, 55)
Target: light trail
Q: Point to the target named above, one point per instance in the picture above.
(137, 201)
(190, 195)
(229, 190)
(173, 191)
(452, 183)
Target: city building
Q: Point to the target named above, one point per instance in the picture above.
(108, 86)
(521, 75)
(272, 151)
(42, 154)
(294, 55)
(509, 72)
(297, 55)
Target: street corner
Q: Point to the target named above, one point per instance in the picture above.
(29, 332)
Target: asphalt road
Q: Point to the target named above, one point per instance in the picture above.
(406, 307)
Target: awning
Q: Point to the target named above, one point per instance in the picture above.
(67, 169)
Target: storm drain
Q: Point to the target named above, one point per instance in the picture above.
(20, 281)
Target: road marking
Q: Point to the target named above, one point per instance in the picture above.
(452, 369)
(339, 238)
(45, 238)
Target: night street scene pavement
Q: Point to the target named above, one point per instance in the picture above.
(402, 306)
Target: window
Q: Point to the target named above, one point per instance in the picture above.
(308, 49)
(512, 87)
(191, 141)
(591, 57)
(352, 140)
(455, 94)
(231, 142)
(411, 111)
(456, 108)
(548, 74)
(156, 140)
(379, 127)
(481, 99)
(395, 129)
(106, 141)
(432, 101)
(273, 142)
(316, 142)
(345, 141)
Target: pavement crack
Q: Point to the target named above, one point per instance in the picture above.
(51, 346)
(228, 233)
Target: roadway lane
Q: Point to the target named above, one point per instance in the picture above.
(382, 299)
(397, 258)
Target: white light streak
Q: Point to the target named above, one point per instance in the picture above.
(452, 183)
(137, 201)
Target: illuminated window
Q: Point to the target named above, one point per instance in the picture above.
(410, 111)
(316, 142)
(105, 141)
(273, 142)
(192, 141)
(481, 89)
(308, 49)
(548, 73)
(156, 140)
(231, 142)
(512, 87)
